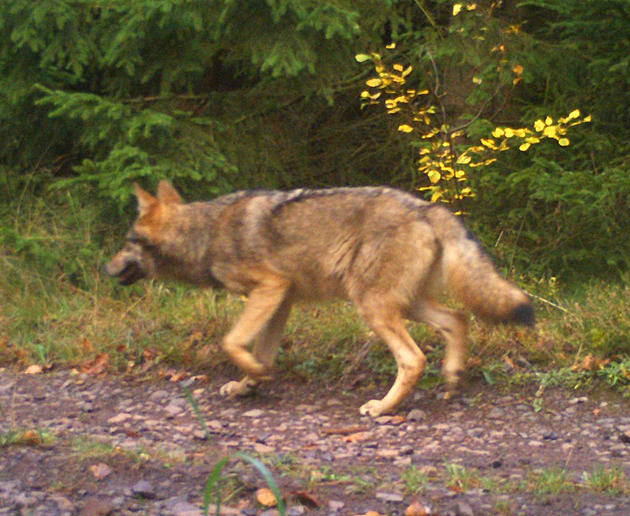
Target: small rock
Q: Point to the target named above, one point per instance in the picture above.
(158, 395)
(263, 448)
(62, 502)
(496, 413)
(335, 506)
(100, 470)
(173, 410)
(200, 435)
(119, 418)
(387, 453)
(97, 507)
(183, 508)
(143, 489)
(463, 509)
(255, 413)
(390, 497)
(416, 415)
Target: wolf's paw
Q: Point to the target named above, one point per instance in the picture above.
(234, 388)
(374, 408)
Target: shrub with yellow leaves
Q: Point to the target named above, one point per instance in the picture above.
(446, 157)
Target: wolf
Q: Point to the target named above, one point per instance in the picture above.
(387, 251)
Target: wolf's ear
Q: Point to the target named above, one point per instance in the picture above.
(145, 200)
(167, 194)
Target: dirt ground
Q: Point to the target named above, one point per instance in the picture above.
(74, 444)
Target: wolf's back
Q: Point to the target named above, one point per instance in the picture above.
(471, 277)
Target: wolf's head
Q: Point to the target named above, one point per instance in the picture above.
(139, 258)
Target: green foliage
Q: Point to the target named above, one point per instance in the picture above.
(263, 93)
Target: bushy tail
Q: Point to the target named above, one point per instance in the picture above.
(471, 277)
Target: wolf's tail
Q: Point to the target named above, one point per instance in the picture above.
(470, 275)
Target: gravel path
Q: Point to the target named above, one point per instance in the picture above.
(130, 445)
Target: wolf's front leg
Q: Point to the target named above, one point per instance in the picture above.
(264, 352)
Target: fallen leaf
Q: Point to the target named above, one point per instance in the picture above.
(509, 363)
(416, 509)
(34, 369)
(86, 346)
(96, 366)
(306, 499)
(265, 497)
(356, 437)
(149, 354)
(371, 513)
(31, 438)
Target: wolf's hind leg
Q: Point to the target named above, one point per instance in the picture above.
(263, 303)
(453, 326)
(265, 350)
(389, 325)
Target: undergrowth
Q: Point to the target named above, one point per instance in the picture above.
(59, 309)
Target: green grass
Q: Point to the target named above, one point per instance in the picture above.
(35, 437)
(59, 308)
(611, 480)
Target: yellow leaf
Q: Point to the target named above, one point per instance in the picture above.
(477, 80)
(563, 142)
(398, 67)
(471, 7)
(486, 142)
(361, 58)
(548, 120)
(405, 128)
(518, 69)
(497, 133)
(539, 125)
(372, 83)
(573, 114)
(407, 71)
(436, 195)
(509, 133)
(460, 174)
(588, 118)
(456, 9)
(391, 46)
(265, 497)
(550, 131)
(464, 159)
(434, 176)
(391, 111)
(524, 146)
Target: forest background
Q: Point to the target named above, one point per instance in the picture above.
(516, 112)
